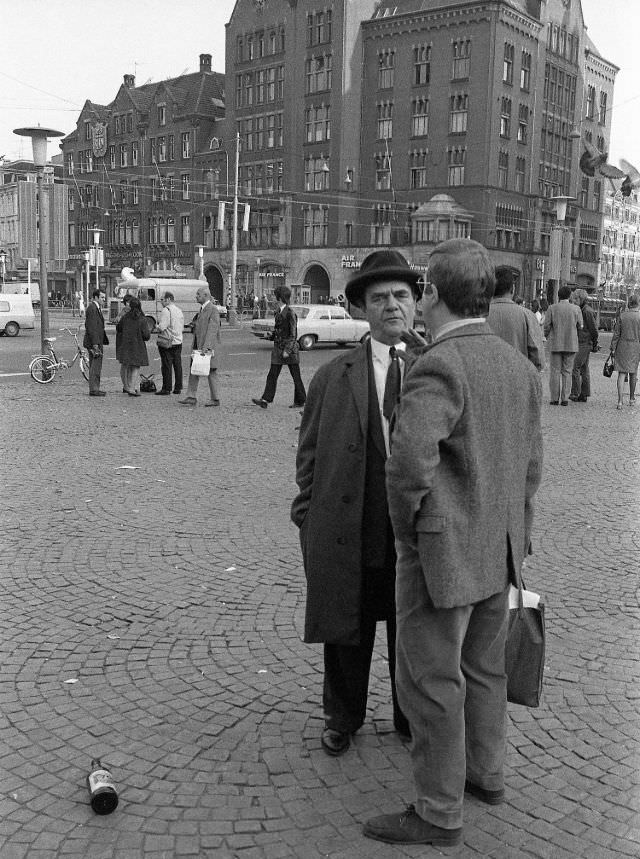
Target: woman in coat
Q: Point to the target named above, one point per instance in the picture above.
(132, 354)
(625, 347)
(123, 368)
(285, 351)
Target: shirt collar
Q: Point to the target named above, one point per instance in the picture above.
(380, 351)
(202, 306)
(457, 323)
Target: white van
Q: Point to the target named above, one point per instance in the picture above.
(16, 312)
(150, 291)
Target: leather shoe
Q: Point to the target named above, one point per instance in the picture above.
(564, 403)
(163, 393)
(335, 742)
(259, 402)
(213, 403)
(554, 402)
(491, 797)
(188, 401)
(407, 827)
(97, 393)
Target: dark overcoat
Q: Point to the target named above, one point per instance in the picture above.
(94, 333)
(134, 330)
(330, 473)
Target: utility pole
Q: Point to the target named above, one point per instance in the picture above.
(233, 318)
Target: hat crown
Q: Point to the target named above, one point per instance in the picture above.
(383, 260)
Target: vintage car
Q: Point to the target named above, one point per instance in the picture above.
(319, 323)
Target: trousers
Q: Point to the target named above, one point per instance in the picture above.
(452, 687)
(580, 377)
(560, 372)
(347, 667)
(171, 359)
(95, 370)
(299, 393)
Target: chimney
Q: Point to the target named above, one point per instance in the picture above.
(205, 62)
(130, 81)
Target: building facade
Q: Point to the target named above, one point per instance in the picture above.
(130, 167)
(20, 223)
(620, 254)
(366, 124)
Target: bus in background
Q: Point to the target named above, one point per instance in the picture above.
(606, 310)
(150, 291)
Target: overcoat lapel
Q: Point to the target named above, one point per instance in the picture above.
(357, 374)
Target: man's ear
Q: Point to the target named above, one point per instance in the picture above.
(430, 294)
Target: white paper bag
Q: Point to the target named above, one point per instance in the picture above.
(200, 364)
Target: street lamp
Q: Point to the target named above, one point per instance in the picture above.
(39, 137)
(560, 246)
(201, 262)
(98, 254)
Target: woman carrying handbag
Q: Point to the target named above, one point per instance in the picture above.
(625, 347)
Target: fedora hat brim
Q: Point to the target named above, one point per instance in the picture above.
(357, 285)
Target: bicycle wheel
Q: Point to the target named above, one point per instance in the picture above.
(84, 364)
(42, 369)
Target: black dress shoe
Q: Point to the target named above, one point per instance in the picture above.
(407, 827)
(97, 393)
(564, 403)
(163, 393)
(335, 742)
(260, 402)
(491, 797)
(554, 403)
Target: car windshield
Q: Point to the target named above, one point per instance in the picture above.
(300, 311)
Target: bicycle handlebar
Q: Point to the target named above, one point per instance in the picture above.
(69, 331)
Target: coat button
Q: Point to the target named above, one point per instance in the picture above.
(353, 446)
(341, 541)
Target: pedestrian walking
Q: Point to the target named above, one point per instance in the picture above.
(134, 329)
(95, 339)
(169, 330)
(460, 479)
(536, 309)
(561, 326)
(514, 323)
(625, 347)
(206, 340)
(587, 343)
(286, 351)
(341, 509)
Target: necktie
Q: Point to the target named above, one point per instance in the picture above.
(392, 385)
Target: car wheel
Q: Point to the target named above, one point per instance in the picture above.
(307, 342)
(11, 329)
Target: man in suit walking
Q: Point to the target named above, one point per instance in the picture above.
(206, 337)
(461, 477)
(94, 340)
(341, 509)
(561, 326)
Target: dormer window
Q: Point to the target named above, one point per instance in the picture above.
(162, 114)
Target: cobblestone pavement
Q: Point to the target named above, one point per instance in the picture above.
(152, 605)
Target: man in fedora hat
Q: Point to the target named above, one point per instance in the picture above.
(341, 509)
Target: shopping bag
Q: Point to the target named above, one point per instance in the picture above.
(525, 647)
(200, 364)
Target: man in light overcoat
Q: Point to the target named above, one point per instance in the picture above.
(561, 325)
(341, 509)
(206, 339)
(466, 460)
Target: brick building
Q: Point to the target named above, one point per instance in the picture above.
(130, 167)
(365, 124)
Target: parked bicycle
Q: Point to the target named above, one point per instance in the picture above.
(43, 368)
